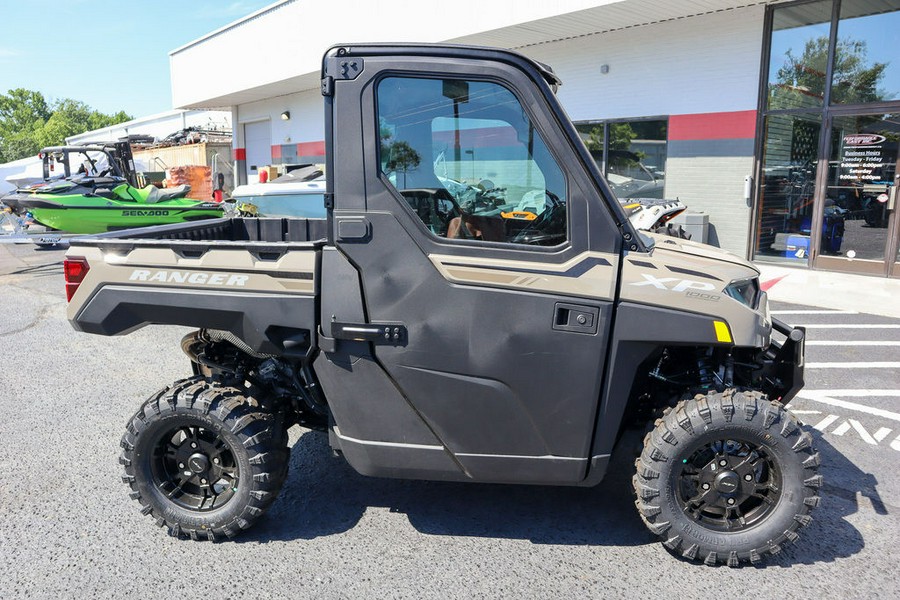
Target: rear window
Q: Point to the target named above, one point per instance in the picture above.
(304, 206)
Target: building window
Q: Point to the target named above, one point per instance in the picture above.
(630, 154)
(865, 60)
(799, 56)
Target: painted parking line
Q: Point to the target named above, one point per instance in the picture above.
(840, 426)
(848, 326)
(832, 398)
(813, 312)
(824, 423)
(853, 365)
(852, 343)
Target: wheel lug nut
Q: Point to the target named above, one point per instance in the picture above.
(194, 445)
(216, 460)
(705, 486)
(748, 477)
(731, 501)
(203, 481)
(723, 462)
(180, 465)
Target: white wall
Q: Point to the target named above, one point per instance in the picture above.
(288, 40)
(701, 64)
(307, 123)
(696, 65)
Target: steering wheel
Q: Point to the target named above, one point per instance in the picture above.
(541, 231)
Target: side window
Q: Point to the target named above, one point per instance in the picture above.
(468, 161)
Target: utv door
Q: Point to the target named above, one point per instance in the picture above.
(487, 267)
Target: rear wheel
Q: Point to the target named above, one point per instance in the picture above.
(727, 478)
(204, 460)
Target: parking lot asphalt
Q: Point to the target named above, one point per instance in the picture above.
(69, 530)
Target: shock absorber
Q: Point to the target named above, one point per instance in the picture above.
(706, 371)
(728, 379)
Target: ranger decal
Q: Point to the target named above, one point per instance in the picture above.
(195, 277)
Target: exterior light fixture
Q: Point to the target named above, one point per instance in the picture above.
(286, 115)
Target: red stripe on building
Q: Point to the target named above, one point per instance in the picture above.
(240, 154)
(311, 148)
(713, 126)
(276, 151)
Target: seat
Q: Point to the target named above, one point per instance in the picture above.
(155, 194)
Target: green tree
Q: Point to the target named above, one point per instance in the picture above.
(800, 82)
(28, 122)
(401, 158)
(22, 114)
(71, 117)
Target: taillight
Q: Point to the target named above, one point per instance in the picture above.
(75, 270)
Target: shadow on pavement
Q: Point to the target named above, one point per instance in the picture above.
(324, 496)
(830, 536)
(54, 268)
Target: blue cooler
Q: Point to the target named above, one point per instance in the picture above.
(797, 246)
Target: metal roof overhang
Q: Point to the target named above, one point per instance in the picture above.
(303, 72)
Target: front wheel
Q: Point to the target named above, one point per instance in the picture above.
(204, 460)
(727, 478)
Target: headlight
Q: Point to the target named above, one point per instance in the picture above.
(745, 291)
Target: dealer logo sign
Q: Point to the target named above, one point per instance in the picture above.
(863, 139)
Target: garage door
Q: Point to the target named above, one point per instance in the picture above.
(258, 142)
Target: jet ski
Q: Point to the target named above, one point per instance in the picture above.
(100, 195)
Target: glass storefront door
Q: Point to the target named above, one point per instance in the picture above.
(830, 116)
(786, 194)
(857, 215)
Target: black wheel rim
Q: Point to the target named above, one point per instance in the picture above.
(194, 468)
(729, 485)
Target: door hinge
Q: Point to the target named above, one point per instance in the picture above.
(393, 334)
(328, 86)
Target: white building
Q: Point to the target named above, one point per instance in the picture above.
(158, 126)
(726, 104)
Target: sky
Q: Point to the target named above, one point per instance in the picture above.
(111, 54)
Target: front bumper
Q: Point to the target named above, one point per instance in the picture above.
(782, 365)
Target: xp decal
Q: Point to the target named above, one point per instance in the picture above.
(664, 283)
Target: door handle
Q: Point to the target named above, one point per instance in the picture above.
(575, 317)
(892, 196)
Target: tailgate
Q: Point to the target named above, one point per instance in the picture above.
(261, 292)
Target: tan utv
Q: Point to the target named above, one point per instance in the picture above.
(476, 307)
